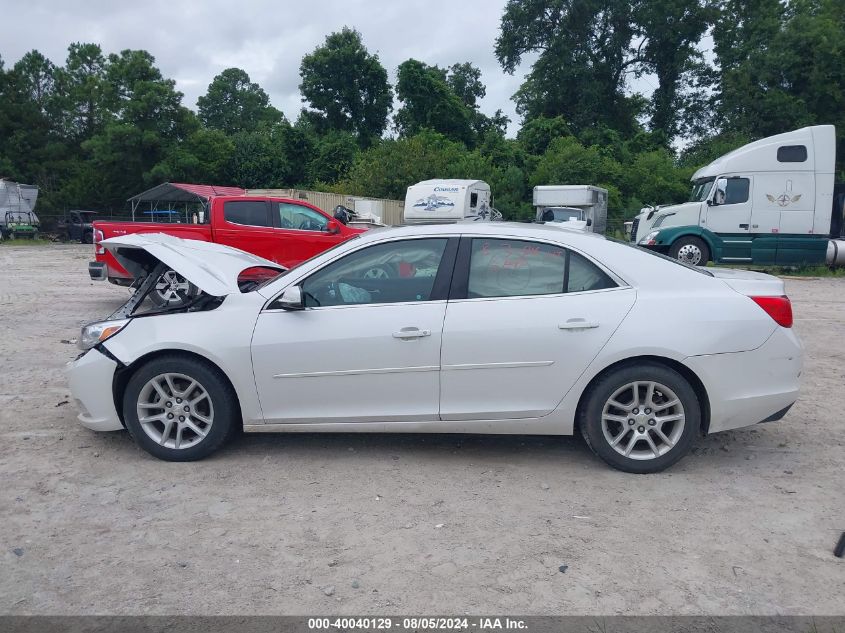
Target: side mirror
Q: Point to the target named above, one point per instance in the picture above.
(291, 299)
(333, 227)
(589, 221)
(721, 192)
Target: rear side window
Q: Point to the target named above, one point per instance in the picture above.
(512, 268)
(792, 153)
(247, 212)
(737, 191)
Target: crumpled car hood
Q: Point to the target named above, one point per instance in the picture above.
(213, 268)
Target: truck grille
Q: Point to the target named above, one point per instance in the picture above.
(634, 230)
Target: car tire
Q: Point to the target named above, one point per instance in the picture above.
(661, 432)
(88, 237)
(690, 250)
(170, 431)
(172, 290)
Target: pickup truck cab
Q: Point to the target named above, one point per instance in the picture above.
(283, 231)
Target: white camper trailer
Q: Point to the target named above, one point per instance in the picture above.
(447, 201)
(577, 206)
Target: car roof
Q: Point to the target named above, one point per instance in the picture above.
(493, 229)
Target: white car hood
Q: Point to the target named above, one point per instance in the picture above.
(213, 268)
(749, 283)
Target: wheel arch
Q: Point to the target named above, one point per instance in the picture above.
(689, 375)
(125, 373)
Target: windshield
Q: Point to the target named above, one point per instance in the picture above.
(562, 214)
(697, 269)
(700, 190)
(282, 274)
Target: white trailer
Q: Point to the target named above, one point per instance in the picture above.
(448, 201)
(561, 203)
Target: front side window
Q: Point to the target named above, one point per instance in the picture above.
(392, 272)
(737, 190)
(296, 216)
(246, 212)
(512, 268)
(700, 190)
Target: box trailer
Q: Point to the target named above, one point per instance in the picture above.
(557, 203)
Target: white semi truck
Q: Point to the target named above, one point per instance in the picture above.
(447, 201)
(769, 202)
(579, 206)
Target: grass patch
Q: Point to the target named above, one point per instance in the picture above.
(817, 270)
(25, 242)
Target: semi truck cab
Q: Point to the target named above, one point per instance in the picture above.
(768, 202)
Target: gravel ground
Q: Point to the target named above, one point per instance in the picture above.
(367, 524)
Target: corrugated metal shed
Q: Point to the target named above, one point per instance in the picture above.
(184, 192)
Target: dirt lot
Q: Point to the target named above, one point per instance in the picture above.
(402, 524)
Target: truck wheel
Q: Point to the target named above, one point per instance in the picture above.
(172, 290)
(88, 237)
(691, 251)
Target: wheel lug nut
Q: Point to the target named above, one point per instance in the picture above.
(168, 404)
(641, 429)
(651, 422)
(169, 416)
(187, 408)
(179, 401)
(648, 410)
(631, 422)
(636, 411)
(181, 418)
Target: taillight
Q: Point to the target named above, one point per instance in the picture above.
(779, 308)
(98, 236)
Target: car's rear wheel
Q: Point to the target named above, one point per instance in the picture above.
(179, 408)
(641, 418)
(690, 250)
(172, 290)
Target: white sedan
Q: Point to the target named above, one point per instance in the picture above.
(462, 328)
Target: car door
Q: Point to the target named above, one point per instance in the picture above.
(729, 215)
(366, 346)
(247, 225)
(524, 321)
(300, 232)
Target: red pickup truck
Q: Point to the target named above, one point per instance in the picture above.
(284, 231)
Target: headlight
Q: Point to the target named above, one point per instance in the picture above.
(649, 239)
(94, 333)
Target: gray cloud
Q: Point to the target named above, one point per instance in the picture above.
(194, 41)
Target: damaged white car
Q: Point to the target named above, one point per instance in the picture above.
(499, 328)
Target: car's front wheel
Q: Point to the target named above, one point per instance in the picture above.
(179, 408)
(641, 418)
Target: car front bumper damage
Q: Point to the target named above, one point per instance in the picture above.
(90, 377)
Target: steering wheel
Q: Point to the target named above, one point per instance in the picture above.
(305, 225)
(285, 223)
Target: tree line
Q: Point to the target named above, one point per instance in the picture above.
(103, 126)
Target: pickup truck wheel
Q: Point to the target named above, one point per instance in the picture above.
(88, 237)
(172, 290)
(691, 251)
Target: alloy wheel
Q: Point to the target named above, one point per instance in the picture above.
(643, 420)
(175, 411)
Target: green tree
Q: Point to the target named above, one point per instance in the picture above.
(782, 65)
(428, 102)
(235, 104)
(333, 156)
(80, 101)
(583, 49)
(346, 87)
(202, 157)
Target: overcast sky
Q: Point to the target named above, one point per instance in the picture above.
(194, 41)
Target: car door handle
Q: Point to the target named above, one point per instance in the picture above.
(411, 332)
(577, 324)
